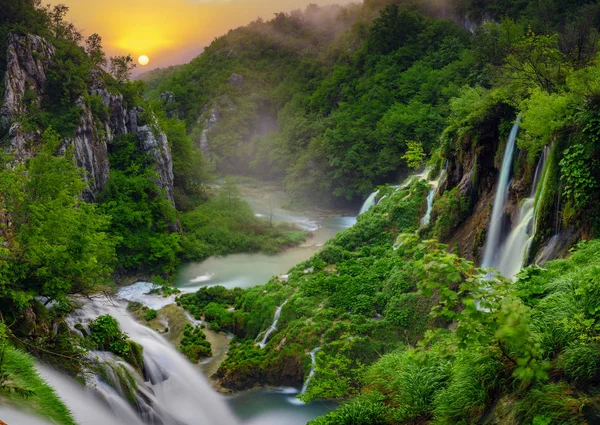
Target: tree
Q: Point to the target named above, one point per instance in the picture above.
(60, 28)
(59, 243)
(121, 67)
(93, 47)
(414, 154)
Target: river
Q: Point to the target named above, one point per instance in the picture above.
(247, 270)
(178, 392)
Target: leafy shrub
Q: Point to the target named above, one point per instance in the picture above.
(194, 344)
(449, 212)
(106, 335)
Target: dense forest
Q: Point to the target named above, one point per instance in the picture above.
(104, 179)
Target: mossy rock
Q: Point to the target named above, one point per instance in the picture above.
(135, 355)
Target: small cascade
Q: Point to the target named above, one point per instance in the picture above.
(369, 203)
(515, 250)
(494, 236)
(311, 374)
(273, 327)
(517, 244)
(373, 199)
(170, 392)
(435, 185)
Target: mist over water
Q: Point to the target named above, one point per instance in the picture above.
(248, 270)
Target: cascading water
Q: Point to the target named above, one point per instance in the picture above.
(273, 327)
(172, 391)
(93, 405)
(514, 252)
(435, 184)
(311, 374)
(10, 415)
(369, 203)
(494, 236)
(372, 200)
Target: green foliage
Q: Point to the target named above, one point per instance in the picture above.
(150, 315)
(121, 67)
(411, 389)
(226, 224)
(577, 175)
(543, 114)
(188, 166)
(58, 245)
(106, 335)
(414, 154)
(23, 387)
(554, 403)
(581, 363)
(475, 375)
(194, 344)
(142, 216)
(449, 212)
(360, 411)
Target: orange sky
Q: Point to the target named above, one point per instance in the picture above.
(170, 31)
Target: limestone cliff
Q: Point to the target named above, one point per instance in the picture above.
(29, 59)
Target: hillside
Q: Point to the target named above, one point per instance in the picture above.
(406, 328)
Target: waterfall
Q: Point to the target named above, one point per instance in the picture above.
(313, 360)
(273, 326)
(171, 392)
(369, 203)
(517, 244)
(494, 235)
(435, 184)
(515, 251)
(11, 415)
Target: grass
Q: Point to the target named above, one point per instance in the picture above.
(44, 400)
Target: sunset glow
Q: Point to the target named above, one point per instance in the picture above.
(143, 60)
(170, 32)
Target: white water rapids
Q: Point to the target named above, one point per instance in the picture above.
(172, 392)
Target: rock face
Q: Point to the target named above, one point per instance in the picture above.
(169, 104)
(155, 143)
(91, 153)
(214, 116)
(28, 60)
(236, 80)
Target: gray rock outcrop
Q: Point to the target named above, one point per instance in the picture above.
(236, 80)
(29, 58)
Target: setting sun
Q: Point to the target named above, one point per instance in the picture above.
(143, 60)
